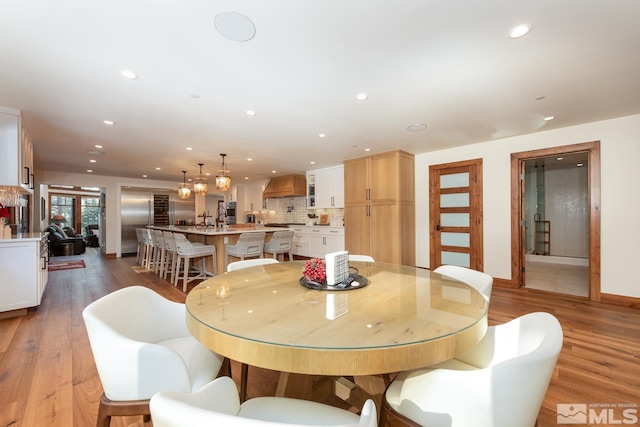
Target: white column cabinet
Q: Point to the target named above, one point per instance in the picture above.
(325, 188)
(253, 200)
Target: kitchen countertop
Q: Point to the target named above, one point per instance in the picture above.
(26, 237)
(213, 231)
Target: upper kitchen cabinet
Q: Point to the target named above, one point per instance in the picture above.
(325, 188)
(253, 200)
(380, 207)
(16, 151)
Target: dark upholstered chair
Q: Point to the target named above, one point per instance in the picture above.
(91, 238)
(57, 239)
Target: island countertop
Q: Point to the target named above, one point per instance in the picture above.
(25, 237)
(212, 230)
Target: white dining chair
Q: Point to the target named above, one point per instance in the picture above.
(218, 404)
(499, 382)
(141, 345)
(477, 279)
(237, 265)
(362, 258)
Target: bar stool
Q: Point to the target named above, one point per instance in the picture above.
(186, 252)
(281, 242)
(249, 245)
(159, 252)
(147, 252)
(171, 257)
(140, 251)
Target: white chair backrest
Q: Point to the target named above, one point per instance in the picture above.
(238, 265)
(479, 280)
(280, 241)
(218, 404)
(158, 239)
(169, 241)
(123, 328)
(183, 246)
(363, 258)
(250, 243)
(146, 236)
(139, 235)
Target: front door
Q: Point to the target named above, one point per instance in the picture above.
(455, 212)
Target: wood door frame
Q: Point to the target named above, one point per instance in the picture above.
(517, 238)
(475, 205)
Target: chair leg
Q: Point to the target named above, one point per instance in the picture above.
(185, 275)
(109, 408)
(244, 374)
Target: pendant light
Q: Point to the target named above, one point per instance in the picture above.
(200, 186)
(223, 180)
(184, 191)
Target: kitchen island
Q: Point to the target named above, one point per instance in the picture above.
(218, 236)
(23, 272)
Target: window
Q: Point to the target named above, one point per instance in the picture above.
(89, 211)
(63, 205)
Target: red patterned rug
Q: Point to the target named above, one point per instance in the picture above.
(65, 265)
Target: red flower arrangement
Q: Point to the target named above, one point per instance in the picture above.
(4, 213)
(315, 270)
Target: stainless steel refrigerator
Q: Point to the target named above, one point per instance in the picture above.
(140, 207)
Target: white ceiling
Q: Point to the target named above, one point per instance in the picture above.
(447, 64)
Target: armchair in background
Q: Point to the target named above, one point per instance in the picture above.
(58, 240)
(92, 235)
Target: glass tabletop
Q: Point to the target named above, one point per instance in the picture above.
(400, 306)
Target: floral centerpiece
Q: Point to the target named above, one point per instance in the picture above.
(4, 215)
(315, 270)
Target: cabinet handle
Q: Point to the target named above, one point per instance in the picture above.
(33, 181)
(28, 176)
(332, 201)
(324, 240)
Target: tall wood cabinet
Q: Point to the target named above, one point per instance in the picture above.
(379, 213)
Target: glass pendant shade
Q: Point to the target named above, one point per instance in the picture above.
(184, 191)
(200, 186)
(223, 181)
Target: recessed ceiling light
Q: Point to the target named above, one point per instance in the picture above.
(189, 148)
(322, 135)
(251, 113)
(144, 176)
(89, 170)
(129, 74)
(580, 165)
(367, 149)
(234, 26)
(157, 169)
(416, 127)
(109, 122)
(92, 161)
(559, 158)
(519, 31)
(274, 171)
(246, 177)
(362, 97)
(98, 146)
(312, 162)
(549, 118)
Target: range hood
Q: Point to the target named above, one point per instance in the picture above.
(286, 186)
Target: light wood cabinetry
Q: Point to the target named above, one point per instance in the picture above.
(379, 209)
(325, 188)
(23, 262)
(16, 150)
(312, 242)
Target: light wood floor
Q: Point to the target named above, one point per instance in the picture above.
(48, 377)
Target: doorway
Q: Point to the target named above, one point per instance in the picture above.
(531, 231)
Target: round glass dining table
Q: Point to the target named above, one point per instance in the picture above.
(403, 318)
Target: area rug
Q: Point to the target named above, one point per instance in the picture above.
(65, 265)
(140, 269)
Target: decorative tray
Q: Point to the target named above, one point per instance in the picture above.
(357, 283)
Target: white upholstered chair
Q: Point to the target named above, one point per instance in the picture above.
(141, 345)
(499, 382)
(217, 404)
(363, 258)
(281, 242)
(249, 245)
(237, 265)
(188, 251)
(479, 280)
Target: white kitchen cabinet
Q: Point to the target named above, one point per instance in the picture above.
(16, 150)
(312, 241)
(325, 188)
(253, 200)
(23, 266)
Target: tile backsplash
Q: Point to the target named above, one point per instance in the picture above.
(294, 209)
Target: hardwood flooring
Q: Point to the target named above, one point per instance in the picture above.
(48, 377)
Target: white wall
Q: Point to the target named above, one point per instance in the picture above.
(620, 205)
